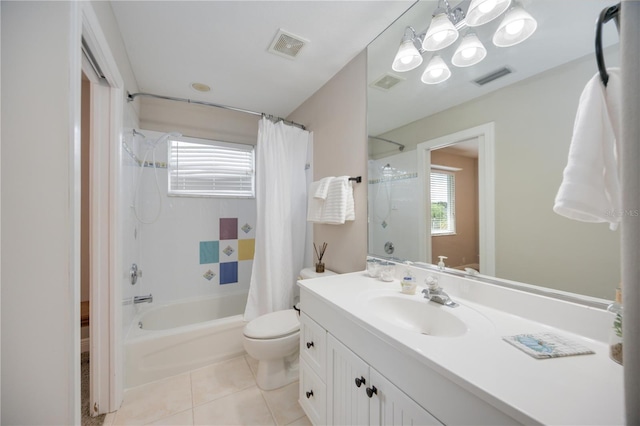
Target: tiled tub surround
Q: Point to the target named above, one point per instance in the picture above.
(199, 246)
(477, 378)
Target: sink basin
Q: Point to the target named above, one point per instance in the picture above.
(417, 314)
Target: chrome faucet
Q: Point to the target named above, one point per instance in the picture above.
(143, 299)
(436, 294)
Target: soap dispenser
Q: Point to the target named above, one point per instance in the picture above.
(441, 263)
(408, 283)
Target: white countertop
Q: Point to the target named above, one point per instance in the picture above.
(574, 390)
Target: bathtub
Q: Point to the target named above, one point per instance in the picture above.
(177, 337)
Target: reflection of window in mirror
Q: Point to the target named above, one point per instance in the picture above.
(443, 198)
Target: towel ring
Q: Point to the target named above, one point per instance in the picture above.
(606, 15)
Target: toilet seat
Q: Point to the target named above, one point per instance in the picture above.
(273, 325)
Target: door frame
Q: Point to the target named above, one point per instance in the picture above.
(107, 106)
(485, 134)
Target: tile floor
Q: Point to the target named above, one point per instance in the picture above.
(224, 393)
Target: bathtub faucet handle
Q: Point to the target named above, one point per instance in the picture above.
(143, 299)
(134, 273)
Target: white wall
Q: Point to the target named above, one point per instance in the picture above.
(533, 127)
(40, 283)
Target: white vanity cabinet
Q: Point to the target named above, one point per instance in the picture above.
(337, 387)
(357, 394)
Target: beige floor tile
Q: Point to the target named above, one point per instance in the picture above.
(302, 421)
(109, 418)
(154, 401)
(181, 419)
(283, 403)
(246, 407)
(220, 379)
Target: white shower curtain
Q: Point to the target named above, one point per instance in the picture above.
(281, 217)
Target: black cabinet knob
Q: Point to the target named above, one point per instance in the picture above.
(360, 381)
(371, 391)
(309, 394)
(309, 344)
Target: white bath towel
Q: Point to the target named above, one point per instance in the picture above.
(339, 205)
(590, 189)
(315, 206)
(323, 188)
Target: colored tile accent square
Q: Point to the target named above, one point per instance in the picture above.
(228, 273)
(229, 228)
(246, 249)
(209, 252)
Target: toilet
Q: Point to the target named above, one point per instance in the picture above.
(274, 340)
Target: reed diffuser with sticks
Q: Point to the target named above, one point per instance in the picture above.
(320, 255)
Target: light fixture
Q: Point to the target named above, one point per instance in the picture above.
(437, 71)
(482, 11)
(516, 27)
(441, 33)
(470, 52)
(408, 56)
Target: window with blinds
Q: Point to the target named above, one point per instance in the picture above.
(443, 195)
(211, 169)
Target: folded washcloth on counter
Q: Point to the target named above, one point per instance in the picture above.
(590, 189)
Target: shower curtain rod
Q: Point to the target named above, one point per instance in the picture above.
(400, 146)
(132, 96)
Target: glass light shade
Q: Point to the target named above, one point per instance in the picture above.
(470, 52)
(482, 11)
(407, 57)
(516, 27)
(441, 33)
(437, 71)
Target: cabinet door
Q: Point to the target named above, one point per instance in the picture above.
(390, 406)
(312, 395)
(347, 402)
(312, 344)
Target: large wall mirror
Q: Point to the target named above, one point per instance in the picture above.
(469, 169)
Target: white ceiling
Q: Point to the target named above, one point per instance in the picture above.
(223, 44)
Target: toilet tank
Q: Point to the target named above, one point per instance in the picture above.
(307, 273)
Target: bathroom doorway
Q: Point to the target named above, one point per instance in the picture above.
(98, 160)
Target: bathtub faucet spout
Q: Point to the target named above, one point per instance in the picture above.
(143, 299)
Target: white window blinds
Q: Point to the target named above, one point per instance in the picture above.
(443, 190)
(211, 169)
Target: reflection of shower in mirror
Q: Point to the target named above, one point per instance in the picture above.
(393, 205)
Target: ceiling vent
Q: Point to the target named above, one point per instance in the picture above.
(287, 45)
(492, 76)
(386, 82)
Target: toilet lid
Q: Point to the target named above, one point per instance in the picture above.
(275, 324)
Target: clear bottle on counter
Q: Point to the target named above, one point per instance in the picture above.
(615, 335)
